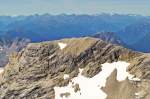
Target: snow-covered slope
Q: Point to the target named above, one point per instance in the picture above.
(90, 88)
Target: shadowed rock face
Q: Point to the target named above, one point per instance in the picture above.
(34, 71)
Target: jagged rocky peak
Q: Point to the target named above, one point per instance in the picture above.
(44, 70)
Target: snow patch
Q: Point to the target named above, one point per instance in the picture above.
(90, 88)
(122, 74)
(66, 76)
(136, 94)
(62, 45)
(133, 78)
(139, 95)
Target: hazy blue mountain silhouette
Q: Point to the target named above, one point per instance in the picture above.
(131, 29)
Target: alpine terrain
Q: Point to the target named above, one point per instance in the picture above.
(76, 68)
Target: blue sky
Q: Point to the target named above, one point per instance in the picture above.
(27, 7)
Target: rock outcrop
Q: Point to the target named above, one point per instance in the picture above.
(36, 70)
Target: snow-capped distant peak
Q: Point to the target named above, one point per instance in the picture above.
(62, 45)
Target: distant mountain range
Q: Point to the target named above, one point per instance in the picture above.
(109, 37)
(130, 29)
(7, 47)
(135, 31)
(137, 35)
(143, 44)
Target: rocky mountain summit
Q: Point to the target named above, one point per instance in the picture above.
(40, 68)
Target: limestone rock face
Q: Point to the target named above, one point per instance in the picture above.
(36, 70)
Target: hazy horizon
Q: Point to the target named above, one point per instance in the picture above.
(55, 7)
(96, 14)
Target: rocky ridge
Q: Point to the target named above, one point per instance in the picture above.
(38, 68)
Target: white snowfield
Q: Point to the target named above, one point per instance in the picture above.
(90, 88)
(1, 70)
(62, 45)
